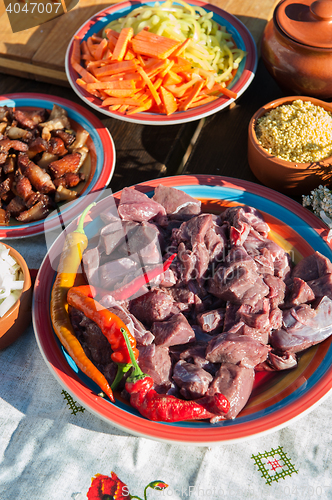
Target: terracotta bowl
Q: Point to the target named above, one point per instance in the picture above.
(15, 321)
(285, 176)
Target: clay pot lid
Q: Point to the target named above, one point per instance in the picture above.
(306, 22)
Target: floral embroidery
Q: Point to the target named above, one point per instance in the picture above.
(112, 488)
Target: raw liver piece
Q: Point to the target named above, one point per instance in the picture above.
(115, 270)
(275, 362)
(137, 206)
(235, 383)
(91, 260)
(175, 331)
(322, 286)
(232, 280)
(312, 267)
(156, 362)
(304, 327)
(299, 293)
(192, 380)
(210, 320)
(175, 201)
(155, 305)
(236, 349)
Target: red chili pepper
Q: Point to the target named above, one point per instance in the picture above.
(111, 325)
(167, 408)
(134, 286)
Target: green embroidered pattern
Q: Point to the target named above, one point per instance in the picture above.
(75, 408)
(274, 465)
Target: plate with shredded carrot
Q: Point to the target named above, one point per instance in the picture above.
(161, 63)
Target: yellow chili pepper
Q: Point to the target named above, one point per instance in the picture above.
(75, 244)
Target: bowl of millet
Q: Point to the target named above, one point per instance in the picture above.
(290, 144)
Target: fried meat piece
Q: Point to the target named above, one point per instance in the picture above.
(7, 144)
(30, 119)
(69, 164)
(39, 179)
(69, 180)
(56, 146)
(36, 212)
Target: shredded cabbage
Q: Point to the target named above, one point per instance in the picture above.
(11, 280)
(211, 47)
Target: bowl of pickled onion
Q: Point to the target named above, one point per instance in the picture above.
(15, 295)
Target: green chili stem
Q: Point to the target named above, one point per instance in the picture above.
(80, 228)
(137, 371)
(122, 368)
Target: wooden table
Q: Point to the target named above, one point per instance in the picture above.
(216, 145)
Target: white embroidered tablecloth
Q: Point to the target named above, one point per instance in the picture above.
(50, 449)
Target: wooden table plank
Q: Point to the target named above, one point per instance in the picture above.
(52, 52)
(43, 48)
(221, 148)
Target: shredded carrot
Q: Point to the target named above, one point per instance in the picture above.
(147, 80)
(145, 72)
(153, 45)
(168, 100)
(101, 49)
(116, 67)
(191, 96)
(122, 43)
(76, 53)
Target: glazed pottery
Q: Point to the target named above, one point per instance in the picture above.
(14, 323)
(285, 176)
(296, 47)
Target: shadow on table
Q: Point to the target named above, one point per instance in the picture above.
(28, 387)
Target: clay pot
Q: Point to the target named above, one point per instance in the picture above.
(287, 177)
(296, 47)
(14, 323)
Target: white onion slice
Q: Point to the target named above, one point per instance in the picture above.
(11, 280)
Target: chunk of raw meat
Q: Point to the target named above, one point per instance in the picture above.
(210, 320)
(156, 362)
(236, 349)
(257, 316)
(256, 246)
(175, 201)
(192, 380)
(137, 206)
(115, 270)
(91, 261)
(232, 280)
(216, 242)
(194, 230)
(136, 328)
(112, 235)
(312, 267)
(276, 362)
(303, 327)
(175, 331)
(155, 305)
(235, 383)
(300, 293)
(277, 288)
(242, 220)
(145, 242)
(322, 286)
(196, 355)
